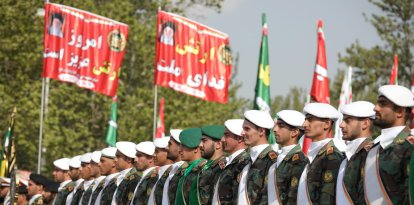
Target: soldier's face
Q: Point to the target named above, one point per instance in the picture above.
(351, 128)
(230, 141)
(106, 165)
(160, 157)
(186, 153)
(74, 173)
(283, 132)
(251, 133)
(207, 147)
(85, 171)
(142, 161)
(121, 161)
(173, 148)
(47, 196)
(32, 188)
(58, 175)
(316, 128)
(385, 115)
(3, 191)
(95, 169)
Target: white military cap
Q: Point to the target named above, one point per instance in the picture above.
(109, 152)
(126, 148)
(399, 95)
(359, 109)
(175, 134)
(86, 158)
(75, 162)
(235, 126)
(62, 164)
(146, 147)
(321, 110)
(96, 156)
(260, 118)
(292, 117)
(5, 182)
(161, 142)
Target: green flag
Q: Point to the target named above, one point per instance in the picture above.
(112, 126)
(262, 91)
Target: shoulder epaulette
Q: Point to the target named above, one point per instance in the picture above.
(70, 188)
(295, 157)
(330, 150)
(272, 155)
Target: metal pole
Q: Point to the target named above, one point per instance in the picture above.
(155, 111)
(39, 155)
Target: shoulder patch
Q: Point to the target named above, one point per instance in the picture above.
(410, 139)
(272, 155)
(330, 150)
(400, 141)
(294, 182)
(368, 147)
(132, 177)
(295, 157)
(70, 188)
(154, 174)
(130, 195)
(222, 165)
(328, 177)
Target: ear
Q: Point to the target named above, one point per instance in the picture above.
(294, 133)
(365, 123)
(218, 145)
(327, 124)
(262, 131)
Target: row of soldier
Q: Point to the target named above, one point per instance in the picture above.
(234, 164)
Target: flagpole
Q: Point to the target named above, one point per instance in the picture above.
(155, 111)
(39, 154)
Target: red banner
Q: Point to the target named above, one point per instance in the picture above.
(192, 58)
(83, 48)
(160, 131)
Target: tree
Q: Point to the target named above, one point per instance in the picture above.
(76, 119)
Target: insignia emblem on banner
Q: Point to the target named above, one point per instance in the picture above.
(116, 41)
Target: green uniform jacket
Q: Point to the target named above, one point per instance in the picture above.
(160, 186)
(78, 194)
(394, 167)
(63, 193)
(172, 189)
(257, 176)
(145, 188)
(188, 181)
(108, 192)
(206, 180)
(126, 188)
(354, 172)
(230, 179)
(288, 174)
(322, 175)
(96, 192)
(87, 195)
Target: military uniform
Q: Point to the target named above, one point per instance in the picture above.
(77, 195)
(188, 175)
(229, 179)
(288, 174)
(127, 186)
(63, 193)
(172, 189)
(322, 174)
(394, 167)
(95, 193)
(37, 201)
(206, 180)
(158, 187)
(354, 172)
(87, 194)
(145, 187)
(108, 192)
(257, 176)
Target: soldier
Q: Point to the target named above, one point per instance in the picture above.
(170, 186)
(318, 180)
(190, 152)
(22, 198)
(284, 175)
(128, 175)
(356, 128)
(4, 190)
(225, 191)
(108, 168)
(165, 166)
(253, 182)
(61, 175)
(74, 173)
(144, 163)
(387, 163)
(87, 175)
(51, 189)
(97, 184)
(211, 149)
(35, 189)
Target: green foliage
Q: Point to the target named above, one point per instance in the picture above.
(76, 119)
(295, 100)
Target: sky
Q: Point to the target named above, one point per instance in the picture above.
(292, 37)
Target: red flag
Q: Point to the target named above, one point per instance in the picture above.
(320, 84)
(83, 48)
(192, 58)
(394, 72)
(160, 132)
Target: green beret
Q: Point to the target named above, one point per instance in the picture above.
(213, 131)
(191, 137)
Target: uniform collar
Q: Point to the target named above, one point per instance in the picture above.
(284, 151)
(88, 183)
(110, 177)
(233, 156)
(256, 150)
(62, 184)
(163, 169)
(352, 147)
(32, 200)
(145, 172)
(388, 135)
(314, 148)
